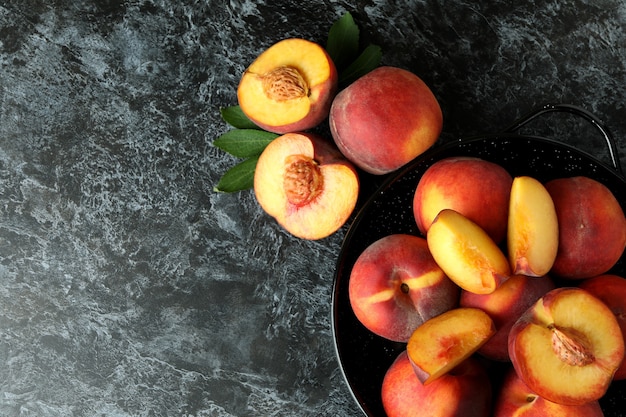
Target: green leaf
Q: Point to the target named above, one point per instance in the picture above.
(343, 41)
(235, 117)
(238, 178)
(244, 143)
(368, 60)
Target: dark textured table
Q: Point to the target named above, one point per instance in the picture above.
(128, 287)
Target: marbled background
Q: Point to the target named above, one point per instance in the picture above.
(128, 287)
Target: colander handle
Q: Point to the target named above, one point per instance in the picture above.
(578, 111)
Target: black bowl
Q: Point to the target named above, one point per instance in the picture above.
(364, 357)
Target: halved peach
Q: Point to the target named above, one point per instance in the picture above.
(567, 346)
(533, 228)
(444, 341)
(466, 253)
(306, 184)
(289, 87)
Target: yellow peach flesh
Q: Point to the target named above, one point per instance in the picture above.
(441, 343)
(533, 232)
(280, 149)
(337, 201)
(466, 253)
(306, 56)
(543, 359)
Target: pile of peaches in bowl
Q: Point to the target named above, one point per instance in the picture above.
(500, 299)
(493, 253)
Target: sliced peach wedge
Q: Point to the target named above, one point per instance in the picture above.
(443, 342)
(306, 184)
(567, 346)
(533, 228)
(466, 253)
(289, 87)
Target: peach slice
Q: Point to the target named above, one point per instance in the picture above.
(533, 228)
(395, 285)
(385, 119)
(476, 188)
(305, 183)
(515, 399)
(505, 305)
(465, 391)
(444, 341)
(289, 87)
(611, 290)
(567, 346)
(466, 253)
(592, 227)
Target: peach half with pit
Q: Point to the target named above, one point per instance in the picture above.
(474, 187)
(385, 119)
(464, 391)
(396, 285)
(515, 399)
(611, 290)
(443, 342)
(289, 87)
(505, 305)
(592, 227)
(466, 253)
(567, 346)
(306, 184)
(533, 228)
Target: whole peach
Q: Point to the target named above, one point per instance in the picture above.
(395, 285)
(465, 391)
(474, 187)
(592, 227)
(385, 119)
